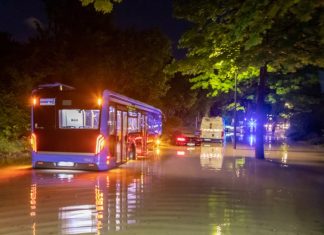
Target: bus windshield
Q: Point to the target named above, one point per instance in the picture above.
(79, 118)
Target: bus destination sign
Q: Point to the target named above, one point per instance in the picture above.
(47, 101)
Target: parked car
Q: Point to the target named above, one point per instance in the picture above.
(184, 138)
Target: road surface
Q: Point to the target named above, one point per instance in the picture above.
(178, 190)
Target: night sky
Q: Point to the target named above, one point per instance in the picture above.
(15, 16)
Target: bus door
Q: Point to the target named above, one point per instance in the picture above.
(121, 127)
(144, 134)
(124, 137)
(119, 136)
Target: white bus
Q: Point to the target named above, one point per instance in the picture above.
(212, 129)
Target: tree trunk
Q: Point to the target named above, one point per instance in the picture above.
(260, 115)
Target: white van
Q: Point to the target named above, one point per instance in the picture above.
(212, 129)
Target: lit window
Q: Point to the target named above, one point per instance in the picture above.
(79, 118)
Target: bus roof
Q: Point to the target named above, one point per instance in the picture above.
(57, 85)
(121, 99)
(62, 90)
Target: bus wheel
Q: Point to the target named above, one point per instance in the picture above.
(132, 153)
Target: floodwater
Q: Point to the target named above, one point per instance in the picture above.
(178, 190)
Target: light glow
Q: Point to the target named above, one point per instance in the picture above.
(33, 142)
(34, 101)
(99, 101)
(180, 153)
(181, 139)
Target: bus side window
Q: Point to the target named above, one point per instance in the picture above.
(139, 122)
(111, 129)
(133, 122)
(150, 122)
(111, 120)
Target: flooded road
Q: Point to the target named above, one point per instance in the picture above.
(178, 190)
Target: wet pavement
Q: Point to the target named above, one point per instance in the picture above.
(177, 190)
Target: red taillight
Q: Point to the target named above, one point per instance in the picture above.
(100, 143)
(181, 139)
(33, 142)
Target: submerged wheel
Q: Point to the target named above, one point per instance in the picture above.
(132, 153)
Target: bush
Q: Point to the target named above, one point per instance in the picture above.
(304, 126)
(14, 118)
(9, 147)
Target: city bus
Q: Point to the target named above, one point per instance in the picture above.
(76, 130)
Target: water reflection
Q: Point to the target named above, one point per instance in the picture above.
(248, 139)
(32, 202)
(211, 157)
(110, 205)
(252, 140)
(78, 219)
(284, 154)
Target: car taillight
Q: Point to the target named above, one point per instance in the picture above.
(33, 142)
(181, 139)
(100, 143)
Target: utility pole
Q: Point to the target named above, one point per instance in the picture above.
(235, 104)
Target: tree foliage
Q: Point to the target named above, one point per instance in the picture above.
(104, 6)
(297, 97)
(14, 116)
(89, 49)
(234, 36)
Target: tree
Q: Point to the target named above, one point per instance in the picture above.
(81, 46)
(14, 114)
(249, 38)
(104, 6)
(298, 97)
